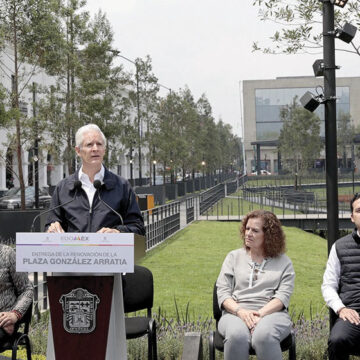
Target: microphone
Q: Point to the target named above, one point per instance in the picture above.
(77, 186)
(97, 186)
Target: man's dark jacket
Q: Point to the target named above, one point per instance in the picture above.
(348, 252)
(78, 216)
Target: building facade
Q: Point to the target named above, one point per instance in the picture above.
(263, 100)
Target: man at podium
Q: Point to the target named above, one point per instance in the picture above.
(94, 199)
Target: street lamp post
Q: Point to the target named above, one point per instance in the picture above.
(36, 150)
(131, 165)
(131, 171)
(326, 67)
(154, 172)
(353, 167)
(330, 123)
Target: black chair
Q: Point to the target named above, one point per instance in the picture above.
(20, 337)
(216, 341)
(138, 295)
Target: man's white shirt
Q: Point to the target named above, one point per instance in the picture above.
(330, 285)
(88, 186)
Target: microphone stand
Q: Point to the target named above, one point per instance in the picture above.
(97, 186)
(77, 186)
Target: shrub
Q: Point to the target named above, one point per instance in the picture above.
(311, 336)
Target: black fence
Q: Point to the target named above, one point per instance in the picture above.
(190, 209)
(161, 222)
(174, 191)
(231, 187)
(210, 197)
(305, 201)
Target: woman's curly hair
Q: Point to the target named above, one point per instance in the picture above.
(274, 237)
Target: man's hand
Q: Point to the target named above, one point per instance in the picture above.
(108, 230)
(349, 315)
(55, 227)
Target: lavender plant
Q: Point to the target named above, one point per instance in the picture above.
(311, 336)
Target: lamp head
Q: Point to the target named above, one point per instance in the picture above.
(340, 3)
(309, 101)
(318, 67)
(347, 33)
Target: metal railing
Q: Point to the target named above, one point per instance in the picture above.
(161, 222)
(211, 197)
(190, 209)
(289, 199)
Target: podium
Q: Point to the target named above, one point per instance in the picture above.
(85, 289)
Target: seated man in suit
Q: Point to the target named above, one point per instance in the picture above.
(87, 208)
(341, 289)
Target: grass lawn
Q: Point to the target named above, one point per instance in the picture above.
(186, 266)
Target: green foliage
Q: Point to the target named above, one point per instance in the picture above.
(31, 28)
(299, 22)
(311, 337)
(38, 333)
(188, 138)
(21, 354)
(299, 141)
(100, 97)
(145, 100)
(345, 134)
(4, 112)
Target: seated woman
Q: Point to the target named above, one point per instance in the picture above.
(16, 293)
(254, 289)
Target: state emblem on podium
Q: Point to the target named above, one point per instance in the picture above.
(79, 311)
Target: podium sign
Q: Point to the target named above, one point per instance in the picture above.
(85, 291)
(75, 252)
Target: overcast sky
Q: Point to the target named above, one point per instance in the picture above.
(206, 45)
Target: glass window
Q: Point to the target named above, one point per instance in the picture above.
(268, 131)
(268, 104)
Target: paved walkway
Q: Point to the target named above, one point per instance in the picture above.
(183, 215)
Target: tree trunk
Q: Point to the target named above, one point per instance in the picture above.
(68, 109)
(16, 106)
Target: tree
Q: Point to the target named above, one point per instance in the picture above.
(74, 20)
(146, 97)
(31, 28)
(345, 135)
(167, 135)
(299, 141)
(208, 136)
(300, 24)
(100, 96)
(190, 156)
(229, 151)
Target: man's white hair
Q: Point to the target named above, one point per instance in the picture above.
(79, 136)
